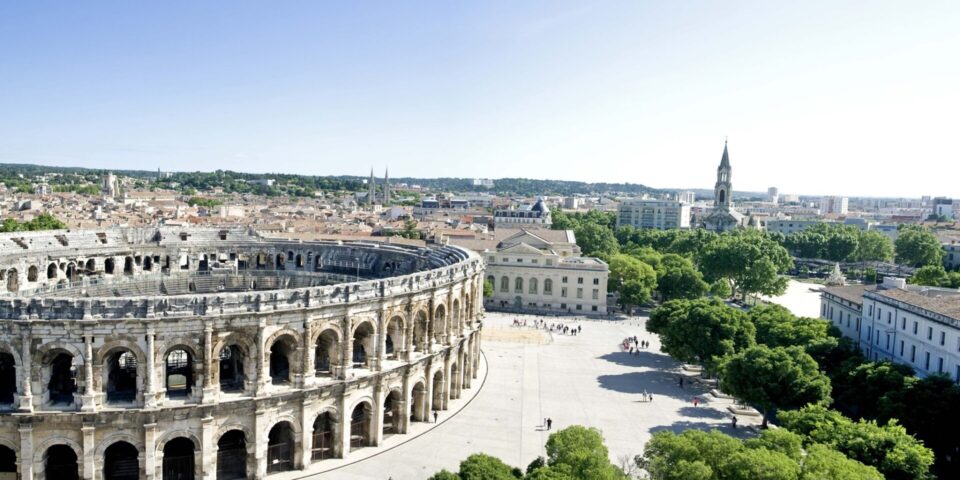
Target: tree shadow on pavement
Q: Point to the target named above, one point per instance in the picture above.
(703, 412)
(679, 427)
(660, 361)
(656, 382)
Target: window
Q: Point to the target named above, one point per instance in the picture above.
(596, 294)
(563, 292)
(533, 261)
(579, 293)
(958, 374)
(596, 281)
(823, 310)
(903, 324)
(939, 364)
(533, 286)
(579, 307)
(870, 310)
(889, 318)
(504, 284)
(913, 353)
(518, 285)
(549, 262)
(879, 313)
(563, 306)
(519, 260)
(548, 287)
(858, 324)
(580, 280)
(901, 348)
(926, 361)
(593, 308)
(943, 338)
(492, 259)
(563, 280)
(915, 326)
(505, 259)
(929, 333)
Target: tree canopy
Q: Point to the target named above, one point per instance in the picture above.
(750, 260)
(701, 331)
(918, 246)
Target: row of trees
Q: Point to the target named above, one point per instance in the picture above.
(679, 263)
(840, 243)
(44, 221)
(784, 364)
(573, 453)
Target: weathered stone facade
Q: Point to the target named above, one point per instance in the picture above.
(160, 353)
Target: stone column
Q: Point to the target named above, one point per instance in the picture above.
(260, 444)
(347, 362)
(261, 366)
(376, 415)
(210, 388)
(446, 381)
(344, 430)
(89, 451)
(26, 451)
(26, 397)
(428, 347)
(150, 397)
(306, 433)
(428, 392)
(150, 455)
(450, 316)
(408, 327)
(405, 403)
(88, 402)
(308, 351)
(208, 449)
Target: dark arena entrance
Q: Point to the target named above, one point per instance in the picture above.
(178, 459)
(121, 462)
(60, 463)
(280, 448)
(232, 456)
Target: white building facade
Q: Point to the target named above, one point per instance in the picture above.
(657, 214)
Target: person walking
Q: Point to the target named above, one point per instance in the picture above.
(733, 422)
(549, 424)
(696, 401)
(680, 380)
(435, 415)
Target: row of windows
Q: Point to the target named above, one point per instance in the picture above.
(533, 287)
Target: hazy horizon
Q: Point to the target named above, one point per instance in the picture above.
(818, 98)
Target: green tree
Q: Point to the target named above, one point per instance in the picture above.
(487, 288)
(693, 454)
(580, 452)
(931, 275)
(721, 289)
(927, 407)
(874, 246)
(632, 279)
(858, 390)
(781, 378)
(918, 246)
(444, 475)
(778, 327)
(678, 278)
(759, 464)
(480, 466)
(823, 463)
(751, 261)
(889, 448)
(701, 331)
(779, 440)
(595, 239)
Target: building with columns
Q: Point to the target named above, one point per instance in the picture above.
(206, 353)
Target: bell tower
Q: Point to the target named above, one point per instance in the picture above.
(723, 190)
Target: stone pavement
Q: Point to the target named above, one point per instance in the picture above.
(583, 379)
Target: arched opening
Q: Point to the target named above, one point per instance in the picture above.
(51, 271)
(60, 463)
(548, 287)
(121, 461)
(178, 459)
(323, 437)
(280, 448)
(420, 327)
(360, 426)
(281, 262)
(439, 324)
(231, 369)
(394, 341)
(261, 261)
(91, 267)
(723, 197)
(437, 390)
(518, 285)
(63, 379)
(109, 265)
(13, 280)
(128, 266)
(32, 273)
(454, 375)
(455, 326)
(232, 456)
(504, 284)
(121, 377)
(204, 263)
(8, 378)
(362, 345)
(179, 373)
(532, 287)
(8, 463)
(418, 411)
(299, 261)
(148, 263)
(327, 353)
(280, 353)
(392, 413)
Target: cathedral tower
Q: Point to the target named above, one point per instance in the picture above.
(723, 190)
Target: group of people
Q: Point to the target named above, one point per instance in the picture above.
(633, 345)
(550, 327)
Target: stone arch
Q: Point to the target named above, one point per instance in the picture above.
(121, 376)
(239, 372)
(32, 273)
(361, 422)
(394, 337)
(282, 360)
(420, 331)
(326, 433)
(9, 460)
(180, 368)
(43, 449)
(10, 375)
(419, 403)
(52, 271)
(13, 280)
(327, 350)
(393, 411)
(179, 457)
(282, 442)
(59, 375)
(363, 344)
(235, 447)
(179, 433)
(437, 400)
(456, 320)
(91, 266)
(128, 265)
(439, 323)
(121, 459)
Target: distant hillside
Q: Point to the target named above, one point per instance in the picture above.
(304, 184)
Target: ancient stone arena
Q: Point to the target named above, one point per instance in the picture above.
(216, 353)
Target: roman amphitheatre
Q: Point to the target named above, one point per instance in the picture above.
(217, 353)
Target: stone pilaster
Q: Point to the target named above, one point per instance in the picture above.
(88, 399)
(26, 397)
(89, 449)
(150, 460)
(208, 452)
(210, 388)
(26, 451)
(150, 396)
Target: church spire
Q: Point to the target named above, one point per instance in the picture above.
(725, 160)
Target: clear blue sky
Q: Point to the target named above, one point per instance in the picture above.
(818, 97)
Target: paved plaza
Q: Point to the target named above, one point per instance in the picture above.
(584, 379)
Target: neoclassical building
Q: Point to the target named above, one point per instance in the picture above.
(205, 353)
